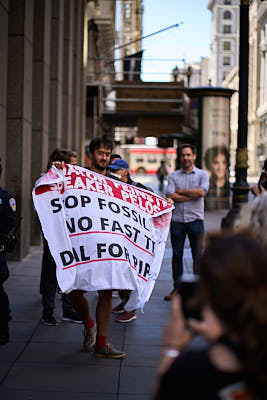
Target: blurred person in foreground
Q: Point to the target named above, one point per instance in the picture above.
(7, 222)
(232, 295)
(253, 216)
(262, 183)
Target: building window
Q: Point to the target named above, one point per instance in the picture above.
(227, 2)
(151, 160)
(227, 15)
(227, 29)
(226, 60)
(227, 46)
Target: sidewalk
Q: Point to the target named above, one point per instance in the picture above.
(46, 363)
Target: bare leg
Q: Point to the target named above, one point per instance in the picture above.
(80, 304)
(103, 311)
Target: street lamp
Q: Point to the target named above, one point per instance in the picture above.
(240, 187)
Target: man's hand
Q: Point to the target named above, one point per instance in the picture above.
(170, 201)
(59, 164)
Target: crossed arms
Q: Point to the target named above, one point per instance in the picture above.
(180, 195)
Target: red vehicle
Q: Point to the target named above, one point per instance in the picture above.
(145, 159)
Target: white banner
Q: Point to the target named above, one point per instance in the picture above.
(102, 233)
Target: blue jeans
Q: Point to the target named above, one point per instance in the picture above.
(179, 230)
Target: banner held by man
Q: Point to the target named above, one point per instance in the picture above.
(103, 234)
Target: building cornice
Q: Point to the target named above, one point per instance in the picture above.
(211, 5)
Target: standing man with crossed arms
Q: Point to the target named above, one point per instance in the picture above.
(187, 187)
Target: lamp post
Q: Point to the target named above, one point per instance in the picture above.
(240, 187)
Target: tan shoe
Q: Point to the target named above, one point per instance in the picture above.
(89, 340)
(108, 351)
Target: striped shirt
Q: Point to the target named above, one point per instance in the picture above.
(188, 211)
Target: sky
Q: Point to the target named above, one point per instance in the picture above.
(190, 41)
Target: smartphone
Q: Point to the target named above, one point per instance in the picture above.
(188, 286)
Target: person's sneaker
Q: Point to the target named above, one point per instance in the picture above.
(108, 351)
(127, 316)
(72, 317)
(89, 340)
(49, 320)
(4, 336)
(118, 309)
(170, 295)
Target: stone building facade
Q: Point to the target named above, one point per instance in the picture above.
(262, 104)
(42, 96)
(224, 38)
(100, 72)
(256, 143)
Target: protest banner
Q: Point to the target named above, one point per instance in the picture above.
(102, 233)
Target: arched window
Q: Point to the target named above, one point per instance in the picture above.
(227, 15)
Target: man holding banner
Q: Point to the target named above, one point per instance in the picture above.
(103, 235)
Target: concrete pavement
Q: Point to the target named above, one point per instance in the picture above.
(47, 363)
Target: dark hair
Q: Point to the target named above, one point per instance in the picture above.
(105, 141)
(60, 155)
(233, 282)
(265, 165)
(191, 146)
(113, 156)
(212, 152)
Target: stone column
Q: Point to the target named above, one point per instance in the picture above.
(67, 75)
(4, 4)
(19, 114)
(56, 75)
(40, 99)
(75, 138)
(83, 63)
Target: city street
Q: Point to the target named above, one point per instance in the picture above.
(155, 84)
(47, 363)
